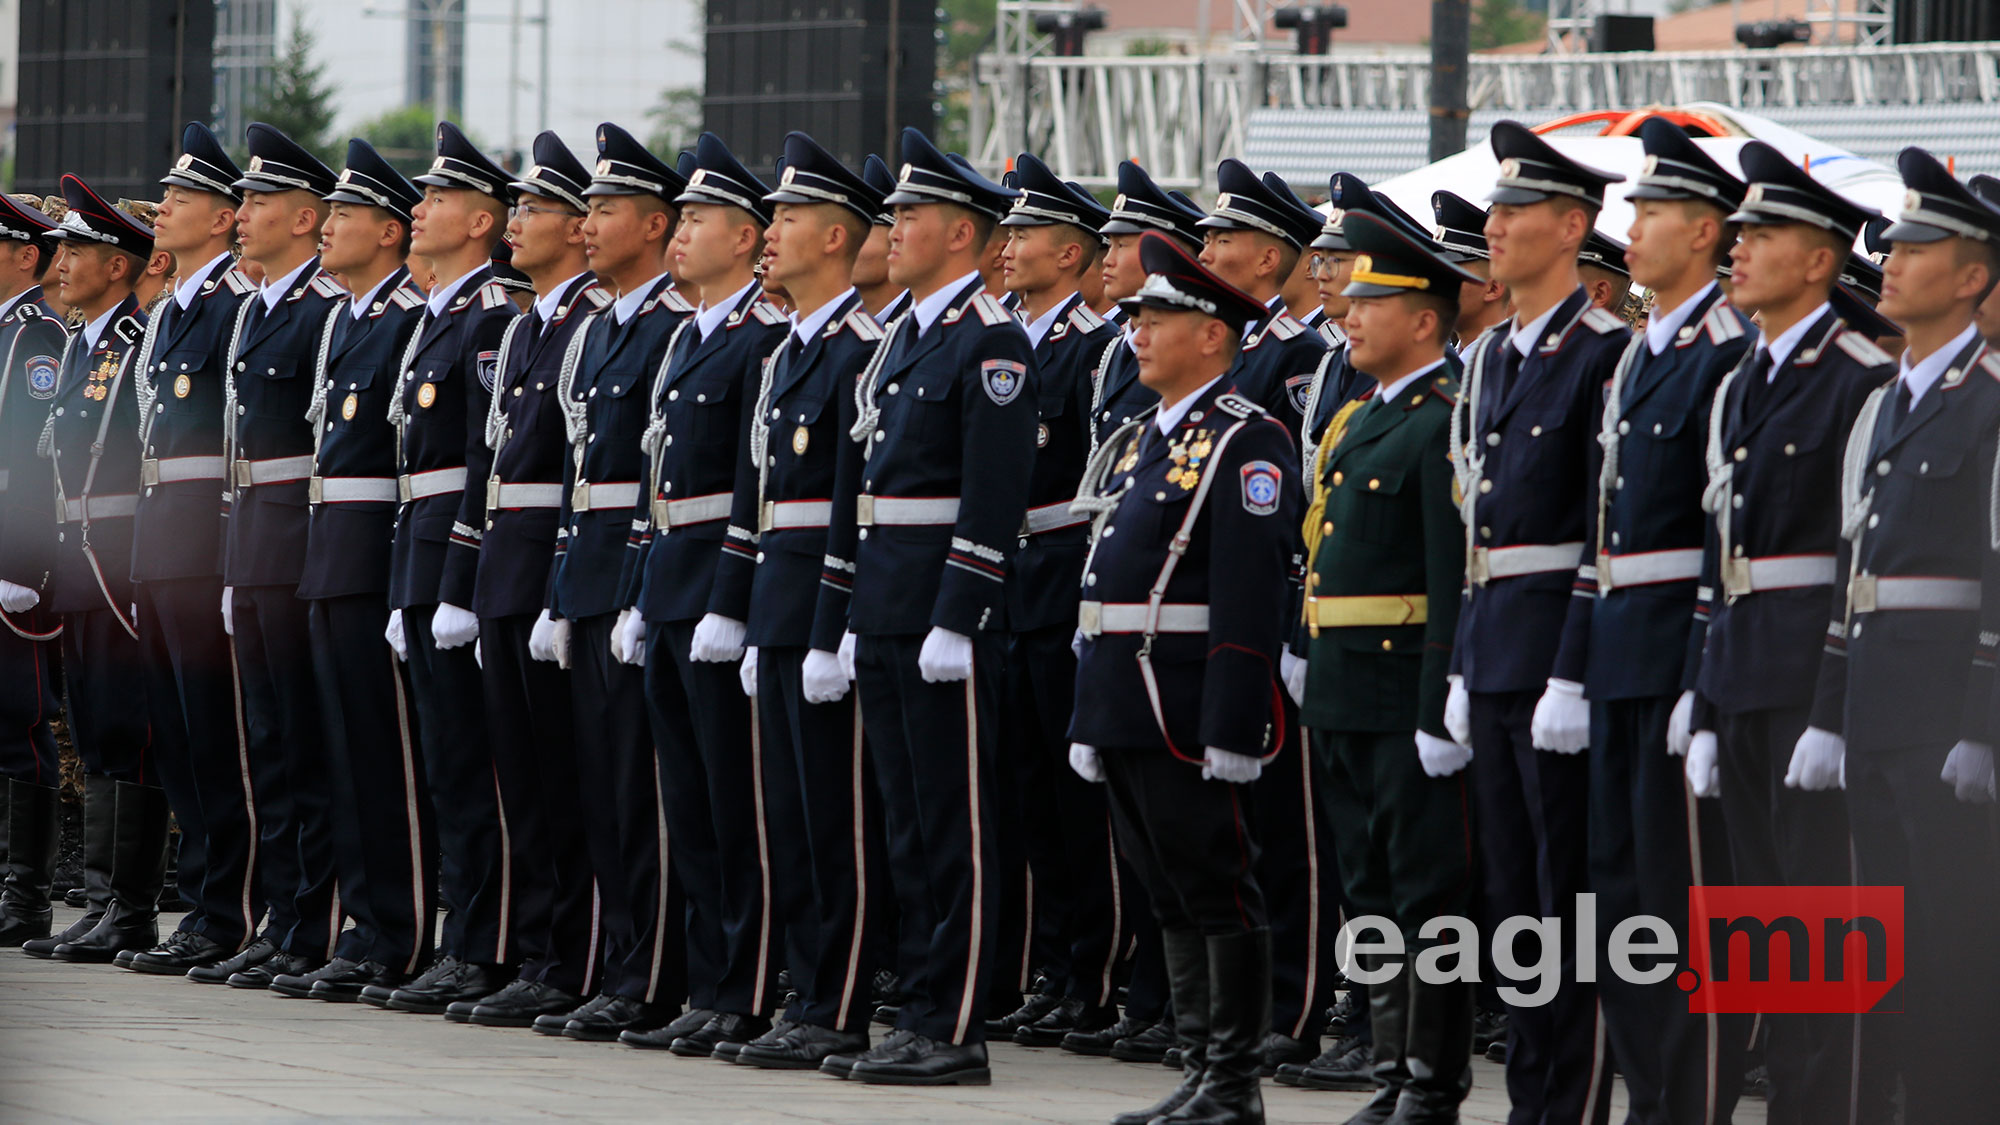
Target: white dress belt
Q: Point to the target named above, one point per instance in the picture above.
(351, 490)
(589, 496)
(784, 515)
(273, 470)
(916, 511)
(1742, 576)
(1514, 562)
(174, 470)
(669, 514)
(101, 507)
(1647, 568)
(436, 482)
(500, 494)
(1050, 517)
(1869, 593)
(1097, 618)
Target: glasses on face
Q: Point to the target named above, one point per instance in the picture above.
(524, 210)
(1322, 267)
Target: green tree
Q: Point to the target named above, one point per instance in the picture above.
(406, 137)
(1497, 23)
(299, 99)
(675, 122)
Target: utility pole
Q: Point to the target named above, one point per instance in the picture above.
(1451, 41)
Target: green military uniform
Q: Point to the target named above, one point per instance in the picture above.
(1381, 608)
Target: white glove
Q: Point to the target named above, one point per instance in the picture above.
(822, 679)
(1227, 765)
(1458, 712)
(1084, 760)
(394, 635)
(452, 626)
(716, 639)
(946, 657)
(1441, 757)
(542, 638)
(628, 638)
(229, 611)
(1076, 644)
(1703, 774)
(1968, 769)
(478, 657)
(1819, 761)
(20, 599)
(1562, 719)
(1679, 727)
(846, 655)
(1294, 670)
(559, 641)
(747, 671)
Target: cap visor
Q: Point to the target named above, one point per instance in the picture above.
(251, 183)
(1370, 289)
(1656, 191)
(1907, 231)
(1330, 242)
(179, 180)
(1515, 195)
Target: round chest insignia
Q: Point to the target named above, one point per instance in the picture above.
(182, 385)
(1041, 435)
(348, 407)
(426, 395)
(801, 437)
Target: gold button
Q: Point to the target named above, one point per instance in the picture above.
(1534, 431)
(1486, 486)
(1791, 448)
(1374, 484)
(1326, 528)
(1338, 476)
(1313, 579)
(1742, 452)
(1387, 646)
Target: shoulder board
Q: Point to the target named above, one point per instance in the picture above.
(1601, 322)
(1990, 363)
(1284, 328)
(597, 297)
(492, 295)
(862, 325)
(1084, 320)
(671, 300)
(766, 313)
(237, 282)
(406, 296)
(1444, 389)
(326, 286)
(28, 310)
(1861, 349)
(991, 311)
(1236, 406)
(1722, 323)
(129, 329)
(1332, 333)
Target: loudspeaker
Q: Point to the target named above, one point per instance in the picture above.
(106, 86)
(1622, 33)
(851, 73)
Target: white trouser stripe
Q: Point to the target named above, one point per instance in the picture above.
(249, 794)
(763, 858)
(1312, 887)
(859, 825)
(966, 1000)
(410, 818)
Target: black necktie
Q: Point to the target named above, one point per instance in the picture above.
(1757, 381)
(1509, 369)
(1902, 407)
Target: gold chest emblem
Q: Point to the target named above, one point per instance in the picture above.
(1187, 456)
(182, 385)
(348, 406)
(801, 438)
(426, 395)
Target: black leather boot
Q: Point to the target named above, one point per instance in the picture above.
(1239, 1022)
(33, 831)
(138, 866)
(100, 798)
(1437, 1054)
(1188, 983)
(1389, 1015)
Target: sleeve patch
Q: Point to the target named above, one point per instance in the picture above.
(1260, 488)
(1003, 379)
(489, 368)
(42, 371)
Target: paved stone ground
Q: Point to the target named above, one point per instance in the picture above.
(94, 1043)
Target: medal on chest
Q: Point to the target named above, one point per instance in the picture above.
(801, 437)
(100, 378)
(1187, 454)
(426, 395)
(348, 407)
(182, 385)
(1129, 458)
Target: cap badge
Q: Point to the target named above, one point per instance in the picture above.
(186, 161)
(256, 164)
(1651, 166)
(699, 177)
(790, 174)
(1913, 199)
(904, 175)
(604, 167)
(1118, 204)
(1755, 194)
(1510, 168)
(438, 165)
(1223, 201)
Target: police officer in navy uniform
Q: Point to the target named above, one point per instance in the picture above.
(1117, 396)
(31, 348)
(1253, 238)
(1461, 230)
(1906, 687)
(702, 390)
(90, 437)
(1631, 611)
(444, 383)
(527, 700)
(190, 671)
(383, 835)
(1179, 658)
(927, 508)
(603, 383)
(1522, 432)
(829, 876)
(268, 386)
(1065, 919)
(884, 299)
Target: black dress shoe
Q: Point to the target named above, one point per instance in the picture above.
(662, 1038)
(76, 896)
(343, 982)
(1282, 1049)
(283, 965)
(1347, 1065)
(1098, 1041)
(467, 980)
(1031, 1009)
(928, 1063)
(725, 1027)
(1488, 1028)
(299, 986)
(519, 1003)
(1171, 1058)
(620, 1014)
(178, 954)
(123, 958)
(802, 1047)
(841, 1064)
(46, 947)
(1150, 1045)
(553, 1023)
(1070, 1015)
(249, 957)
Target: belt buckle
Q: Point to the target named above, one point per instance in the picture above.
(1604, 583)
(149, 472)
(242, 468)
(767, 516)
(662, 513)
(403, 491)
(1481, 570)
(579, 497)
(1090, 618)
(1861, 594)
(864, 510)
(315, 490)
(1312, 615)
(492, 493)
(1735, 576)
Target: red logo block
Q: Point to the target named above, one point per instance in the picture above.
(1792, 949)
